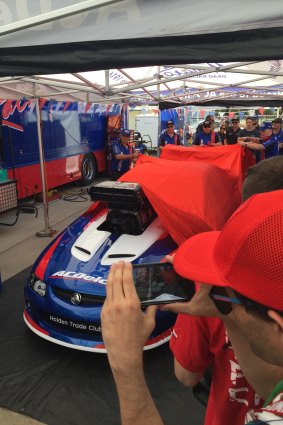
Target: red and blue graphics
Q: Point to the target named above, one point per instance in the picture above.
(66, 288)
(74, 139)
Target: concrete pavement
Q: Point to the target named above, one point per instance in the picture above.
(20, 247)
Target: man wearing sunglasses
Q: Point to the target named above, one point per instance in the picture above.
(169, 137)
(207, 136)
(233, 132)
(242, 264)
(245, 259)
(200, 342)
(209, 118)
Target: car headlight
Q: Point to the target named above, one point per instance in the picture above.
(37, 285)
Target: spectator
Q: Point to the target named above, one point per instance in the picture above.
(266, 176)
(226, 120)
(207, 118)
(140, 147)
(249, 132)
(188, 135)
(278, 133)
(233, 259)
(233, 133)
(169, 137)
(200, 342)
(207, 137)
(222, 132)
(255, 122)
(269, 142)
(254, 277)
(122, 156)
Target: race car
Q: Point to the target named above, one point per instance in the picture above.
(187, 191)
(66, 287)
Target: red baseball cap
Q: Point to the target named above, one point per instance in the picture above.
(246, 255)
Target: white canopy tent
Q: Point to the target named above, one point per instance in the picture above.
(256, 83)
(45, 36)
(132, 40)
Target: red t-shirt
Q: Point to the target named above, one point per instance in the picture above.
(199, 342)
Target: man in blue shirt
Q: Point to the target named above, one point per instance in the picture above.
(278, 133)
(268, 142)
(123, 154)
(169, 137)
(207, 136)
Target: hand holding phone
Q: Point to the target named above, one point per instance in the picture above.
(158, 283)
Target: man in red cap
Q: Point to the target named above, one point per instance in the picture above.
(243, 263)
(246, 274)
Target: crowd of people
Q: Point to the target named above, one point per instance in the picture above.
(264, 141)
(234, 322)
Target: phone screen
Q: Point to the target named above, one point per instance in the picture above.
(158, 283)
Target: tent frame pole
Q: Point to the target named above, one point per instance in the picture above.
(48, 231)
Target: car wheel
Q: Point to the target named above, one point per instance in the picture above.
(88, 170)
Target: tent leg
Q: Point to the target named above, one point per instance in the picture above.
(47, 231)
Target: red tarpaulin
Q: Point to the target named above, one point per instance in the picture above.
(191, 195)
(231, 158)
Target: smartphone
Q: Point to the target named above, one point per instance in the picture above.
(158, 283)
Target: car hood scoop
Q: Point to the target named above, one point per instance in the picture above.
(130, 247)
(126, 247)
(90, 241)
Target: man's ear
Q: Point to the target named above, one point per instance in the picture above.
(277, 318)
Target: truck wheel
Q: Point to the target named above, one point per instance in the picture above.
(88, 170)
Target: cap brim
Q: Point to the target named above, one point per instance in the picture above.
(194, 259)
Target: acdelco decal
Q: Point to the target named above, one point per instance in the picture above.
(80, 276)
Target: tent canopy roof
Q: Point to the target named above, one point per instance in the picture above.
(257, 83)
(134, 39)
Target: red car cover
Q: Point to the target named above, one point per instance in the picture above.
(197, 192)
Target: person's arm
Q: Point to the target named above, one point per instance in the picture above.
(254, 146)
(122, 156)
(125, 328)
(251, 145)
(191, 346)
(161, 142)
(262, 376)
(190, 379)
(253, 139)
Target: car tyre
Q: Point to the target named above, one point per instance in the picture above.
(88, 170)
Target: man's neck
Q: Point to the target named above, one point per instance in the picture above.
(277, 132)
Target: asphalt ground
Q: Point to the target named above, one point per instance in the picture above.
(42, 383)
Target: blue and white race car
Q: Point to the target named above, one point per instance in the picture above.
(66, 288)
